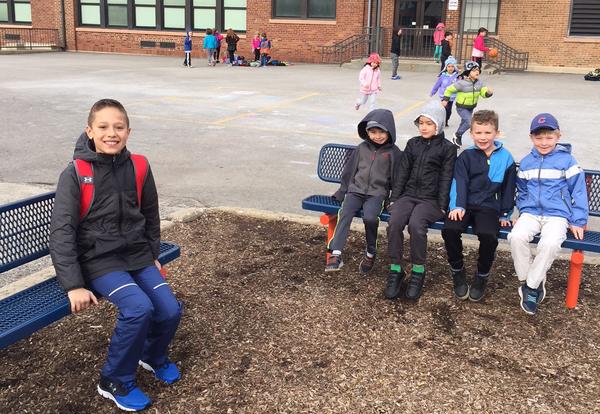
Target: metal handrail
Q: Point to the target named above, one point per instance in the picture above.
(509, 59)
(29, 39)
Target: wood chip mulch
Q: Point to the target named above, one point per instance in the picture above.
(265, 330)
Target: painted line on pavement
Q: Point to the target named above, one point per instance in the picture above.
(410, 108)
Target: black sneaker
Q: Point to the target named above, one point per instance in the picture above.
(461, 289)
(334, 263)
(366, 264)
(415, 285)
(477, 290)
(529, 299)
(126, 396)
(395, 284)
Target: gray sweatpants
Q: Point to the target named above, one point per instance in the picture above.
(372, 207)
(394, 64)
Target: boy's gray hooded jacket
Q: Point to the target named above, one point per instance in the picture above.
(116, 234)
(370, 170)
(426, 166)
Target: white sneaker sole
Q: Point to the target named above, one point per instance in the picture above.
(147, 367)
(108, 395)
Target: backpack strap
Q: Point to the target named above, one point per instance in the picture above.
(140, 168)
(85, 176)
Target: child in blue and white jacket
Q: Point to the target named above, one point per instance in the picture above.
(447, 77)
(552, 198)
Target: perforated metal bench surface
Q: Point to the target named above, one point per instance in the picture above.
(24, 236)
(333, 157)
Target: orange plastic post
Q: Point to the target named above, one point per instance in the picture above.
(163, 272)
(329, 220)
(574, 279)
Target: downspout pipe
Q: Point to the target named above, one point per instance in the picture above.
(369, 18)
(63, 24)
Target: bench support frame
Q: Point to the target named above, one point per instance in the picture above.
(329, 220)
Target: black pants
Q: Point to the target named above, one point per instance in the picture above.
(231, 55)
(443, 62)
(257, 54)
(486, 226)
(187, 59)
(217, 53)
(449, 110)
(418, 215)
(372, 207)
(478, 60)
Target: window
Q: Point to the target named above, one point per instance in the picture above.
(15, 11)
(585, 18)
(156, 14)
(304, 9)
(481, 13)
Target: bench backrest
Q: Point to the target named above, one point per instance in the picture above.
(25, 230)
(333, 157)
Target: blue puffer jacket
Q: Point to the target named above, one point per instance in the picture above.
(553, 185)
(484, 182)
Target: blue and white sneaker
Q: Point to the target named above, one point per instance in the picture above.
(396, 77)
(529, 299)
(127, 396)
(167, 373)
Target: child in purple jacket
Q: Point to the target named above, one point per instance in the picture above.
(446, 78)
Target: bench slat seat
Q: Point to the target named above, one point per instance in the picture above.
(31, 309)
(333, 157)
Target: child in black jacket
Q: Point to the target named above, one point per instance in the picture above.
(366, 183)
(419, 197)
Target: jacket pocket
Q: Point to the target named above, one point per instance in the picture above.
(567, 203)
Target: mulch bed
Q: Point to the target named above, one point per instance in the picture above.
(265, 330)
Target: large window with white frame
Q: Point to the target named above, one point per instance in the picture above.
(15, 11)
(585, 18)
(162, 14)
(481, 13)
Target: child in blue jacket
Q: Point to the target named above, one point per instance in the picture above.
(187, 48)
(482, 195)
(447, 77)
(552, 197)
(210, 45)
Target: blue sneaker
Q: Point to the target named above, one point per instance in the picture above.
(168, 372)
(529, 299)
(397, 77)
(127, 396)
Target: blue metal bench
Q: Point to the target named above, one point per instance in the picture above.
(333, 157)
(24, 237)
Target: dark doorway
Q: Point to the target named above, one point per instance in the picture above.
(418, 19)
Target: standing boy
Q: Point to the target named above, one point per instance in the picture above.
(446, 49)
(187, 47)
(467, 90)
(552, 198)
(482, 195)
(366, 183)
(419, 197)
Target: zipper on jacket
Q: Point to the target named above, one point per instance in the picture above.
(540, 187)
(373, 157)
(120, 190)
(428, 145)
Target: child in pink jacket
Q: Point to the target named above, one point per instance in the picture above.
(438, 36)
(479, 47)
(256, 46)
(370, 82)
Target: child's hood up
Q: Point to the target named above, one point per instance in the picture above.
(436, 112)
(383, 117)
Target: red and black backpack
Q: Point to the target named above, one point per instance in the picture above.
(85, 176)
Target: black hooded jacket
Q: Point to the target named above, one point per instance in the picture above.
(395, 42)
(371, 168)
(116, 234)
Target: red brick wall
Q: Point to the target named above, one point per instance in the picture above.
(541, 28)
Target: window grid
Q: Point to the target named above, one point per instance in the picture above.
(481, 13)
(15, 11)
(303, 9)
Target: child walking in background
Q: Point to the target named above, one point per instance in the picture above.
(256, 46)
(482, 195)
(419, 197)
(438, 36)
(552, 197)
(265, 49)
(366, 183)
(112, 248)
(467, 90)
(370, 82)
(187, 47)
(210, 45)
(479, 47)
(447, 77)
(446, 49)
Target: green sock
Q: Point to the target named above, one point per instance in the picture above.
(418, 268)
(395, 268)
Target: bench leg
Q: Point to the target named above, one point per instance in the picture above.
(574, 279)
(329, 220)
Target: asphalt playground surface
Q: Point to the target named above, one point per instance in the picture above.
(241, 136)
